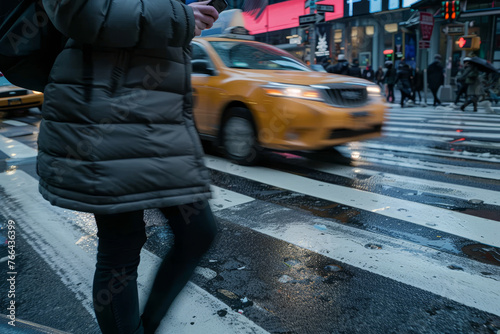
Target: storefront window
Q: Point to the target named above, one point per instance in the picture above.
(482, 4)
(361, 45)
(391, 27)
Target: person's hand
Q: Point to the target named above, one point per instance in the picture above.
(204, 16)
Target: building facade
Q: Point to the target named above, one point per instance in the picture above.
(368, 30)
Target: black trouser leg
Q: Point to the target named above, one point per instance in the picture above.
(194, 228)
(474, 100)
(116, 303)
(462, 90)
(390, 93)
(434, 94)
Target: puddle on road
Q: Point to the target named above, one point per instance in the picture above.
(483, 253)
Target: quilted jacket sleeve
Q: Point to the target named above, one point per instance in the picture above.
(123, 23)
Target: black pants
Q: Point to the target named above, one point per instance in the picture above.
(434, 94)
(390, 93)
(405, 93)
(121, 237)
(471, 99)
(461, 90)
(414, 96)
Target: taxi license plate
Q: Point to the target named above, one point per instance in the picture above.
(360, 114)
(13, 102)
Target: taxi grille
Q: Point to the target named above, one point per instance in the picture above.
(347, 96)
(13, 93)
(346, 133)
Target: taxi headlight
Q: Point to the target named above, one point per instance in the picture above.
(285, 90)
(373, 90)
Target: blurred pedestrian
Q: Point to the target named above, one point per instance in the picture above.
(473, 82)
(341, 67)
(461, 85)
(379, 76)
(368, 73)
(390, 78)
(435, 78)
(403, 80)
(118, 137)
(326, 62)
(354, 69)
(418, 84)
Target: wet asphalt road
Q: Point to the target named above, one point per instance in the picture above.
(275, 248)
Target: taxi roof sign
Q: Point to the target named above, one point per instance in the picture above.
(228, 18)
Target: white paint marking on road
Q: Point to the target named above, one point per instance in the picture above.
(447, 140)
(14, 122)
(223, 198)
(474, 228)
(448, 113)
(443, 133)
(16, 150)
(412, 184)
(388, 159)
(448, 125)
(52, 234)
(439, 119)
(368, 158)
(450, 116)
(488, 157)
(403, 261)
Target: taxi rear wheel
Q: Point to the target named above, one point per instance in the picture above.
(239, 137)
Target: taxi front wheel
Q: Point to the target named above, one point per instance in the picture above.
(239, 137)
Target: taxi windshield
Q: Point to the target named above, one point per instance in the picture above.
(237, 54)
(4, 81)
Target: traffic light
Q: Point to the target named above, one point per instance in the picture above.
(455, 9)
(450, 10)
(469, 42)
(445, 10)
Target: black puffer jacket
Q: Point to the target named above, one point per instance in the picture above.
(117, 133)
(435, 76)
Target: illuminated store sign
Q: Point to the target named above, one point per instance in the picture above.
(285, 15)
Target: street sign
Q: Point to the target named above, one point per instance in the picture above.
(424, 44)
(325, 8)
(312, 18)
(426, 25)
(454, 29)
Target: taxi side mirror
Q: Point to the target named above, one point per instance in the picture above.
(202, 66)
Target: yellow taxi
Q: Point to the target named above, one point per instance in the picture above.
(250, 96)
(16, 98)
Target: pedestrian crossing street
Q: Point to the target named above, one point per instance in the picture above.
(405, 212)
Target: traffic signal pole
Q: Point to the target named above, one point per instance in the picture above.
(312, 33)
(451, 12)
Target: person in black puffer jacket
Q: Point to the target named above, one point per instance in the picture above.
(417, 84)
(435, 78)
(354, 69)
(403, 80)
(118, 137)
(390, 80)
(341, 67)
